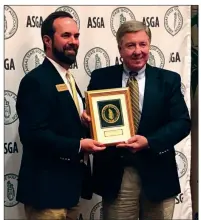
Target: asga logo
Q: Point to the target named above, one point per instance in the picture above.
(74, 65)
(10, 114)
(118, 60)
(156, 57)
(173, 20)
(174, 57)
(151, 21)
(94, 59)
(95, 22)
(10, 22)
(72, 12)
(9, 64)
(34, 21)
(118, 17)
(10, 189)
(96, 212)
(10, 148)
(182, 163)
(179, 198)
(32, 59)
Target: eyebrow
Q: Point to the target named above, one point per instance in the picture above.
(69, 33)
(135, 42)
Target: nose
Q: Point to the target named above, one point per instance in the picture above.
(137, 50)
(73, 40)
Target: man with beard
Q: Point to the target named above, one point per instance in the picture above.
(139, 179)
(54, 171)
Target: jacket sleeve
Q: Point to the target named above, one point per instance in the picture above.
(178, 126)
(34, 111)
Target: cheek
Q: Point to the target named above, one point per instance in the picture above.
(125, 53)
(145, 53)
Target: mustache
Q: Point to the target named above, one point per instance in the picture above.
(71, 47)
(137, 57)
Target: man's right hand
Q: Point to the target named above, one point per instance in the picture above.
(91, 146)
(85, 118)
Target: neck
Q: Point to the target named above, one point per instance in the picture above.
(133, 70)
(64, 65)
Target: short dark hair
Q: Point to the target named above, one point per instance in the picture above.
(47, 25)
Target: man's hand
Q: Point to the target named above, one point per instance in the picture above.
(85, 119)
(135, 143)
(91, 146)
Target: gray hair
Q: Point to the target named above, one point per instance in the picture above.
(132, 26)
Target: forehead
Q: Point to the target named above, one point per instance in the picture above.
(62, 25)
(135, 36)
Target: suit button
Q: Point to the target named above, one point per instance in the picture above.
(81, 161)
(121, 157)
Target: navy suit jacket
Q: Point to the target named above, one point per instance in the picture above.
(52, 172)
(164, 122)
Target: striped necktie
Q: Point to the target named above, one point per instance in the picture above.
(73, 89)
(134, 93)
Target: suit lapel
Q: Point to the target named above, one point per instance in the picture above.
(117, 76)
(151, 93)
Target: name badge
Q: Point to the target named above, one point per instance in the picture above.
(61, 87)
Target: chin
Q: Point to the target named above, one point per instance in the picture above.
(136, 67)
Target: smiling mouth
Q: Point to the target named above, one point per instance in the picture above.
(138, 59)
(70, 51)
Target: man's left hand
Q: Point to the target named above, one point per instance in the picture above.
(135, 143)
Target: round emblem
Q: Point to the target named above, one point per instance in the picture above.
(182, 163)
(32, 59)
(96, 212)
(10, 22)
(119, 16)
(10, 114)
(94, 59)
(173, 20)
(10, 189)
(156, 57)
(72, 12)
(110, 113)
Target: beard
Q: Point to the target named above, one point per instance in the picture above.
(64, 56)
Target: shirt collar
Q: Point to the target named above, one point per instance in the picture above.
(140, 72)
(58, 67)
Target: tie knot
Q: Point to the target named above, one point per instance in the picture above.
(132, 75)
(69, 75)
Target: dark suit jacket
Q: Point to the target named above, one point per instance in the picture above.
(52, 169)
(164, 122)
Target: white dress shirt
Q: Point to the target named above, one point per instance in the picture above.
(62, 71)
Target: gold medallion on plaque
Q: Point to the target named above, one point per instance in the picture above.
(110, 113)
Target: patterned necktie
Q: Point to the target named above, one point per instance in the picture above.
(134, 93)
(73, 89)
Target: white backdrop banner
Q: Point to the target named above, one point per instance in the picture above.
(170, 49)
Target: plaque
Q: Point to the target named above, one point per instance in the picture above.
(111, 115)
